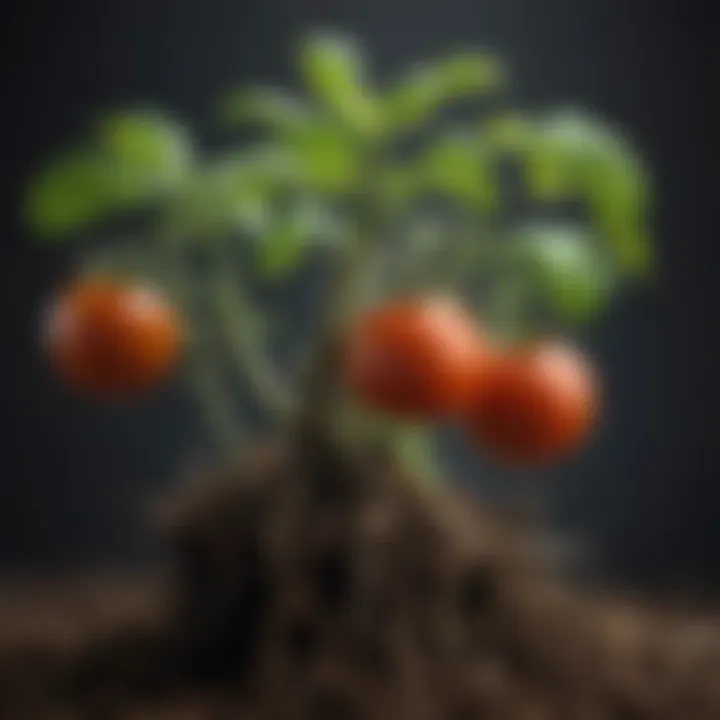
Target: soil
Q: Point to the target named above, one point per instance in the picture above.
(326, 585)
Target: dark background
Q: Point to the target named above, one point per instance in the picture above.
(646, 495)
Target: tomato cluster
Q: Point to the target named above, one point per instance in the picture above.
(423, 359)
(427, 359)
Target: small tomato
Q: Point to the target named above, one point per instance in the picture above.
(533, 405)
(109, 339)
(415, 358)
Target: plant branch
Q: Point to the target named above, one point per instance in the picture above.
(240, 322)
(321, 410)
(201, 373)
(221, 421)
(451, 264)
(321, 401)
(382, 272)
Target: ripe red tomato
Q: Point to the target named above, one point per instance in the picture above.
(111, 339)
(415, 358)
(533, 405)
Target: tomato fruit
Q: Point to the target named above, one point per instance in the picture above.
(533, 405)
(414, 358)
(111, 339)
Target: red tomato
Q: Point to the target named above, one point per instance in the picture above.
(534, 405)
(111, 339)
(414, 358)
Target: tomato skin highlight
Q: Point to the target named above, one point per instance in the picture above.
(533, 406)
(415, 358)
(109, 339)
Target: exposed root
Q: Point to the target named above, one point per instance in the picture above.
(324, 585)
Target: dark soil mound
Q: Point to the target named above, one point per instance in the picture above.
(328, 587)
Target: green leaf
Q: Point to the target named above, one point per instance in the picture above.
(425, 90)
(271, 166)
(227, 196)
(309, 223)
(282, 250)
(507, 133)
(325, 157)
(134, 158)
(617, 192)
(266, 106)
(333, 66)
(469, 73)
(460, 166)
(67, 196)
(147, 154)
(399, 184)
(566, 265)
(572, 156)
(285, 245)
(560, 152)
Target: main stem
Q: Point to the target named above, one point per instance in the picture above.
(321, 405)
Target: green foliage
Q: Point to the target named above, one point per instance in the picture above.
(565, 155)
(149, 155)
(506, 134)
(327, 159)
(332, 147)
(618, 197)
(333, 67)
(569, 155)
(424, 91)
(310, 151)
(132, 158)
(460, 166)
(292, 235)
(68, 196)
(267, 107)
(566, 264)
(398, 185)
(221, 198)
(246, 195)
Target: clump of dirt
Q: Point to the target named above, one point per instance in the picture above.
(325, 585)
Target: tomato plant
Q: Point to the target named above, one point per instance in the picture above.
(331, 178)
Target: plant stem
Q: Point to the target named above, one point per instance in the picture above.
(509, 309)
(201, 374)
(321, 401)
(321, 405)
(455, 262)
(413, 443)
(221, 421)
(240, 322)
